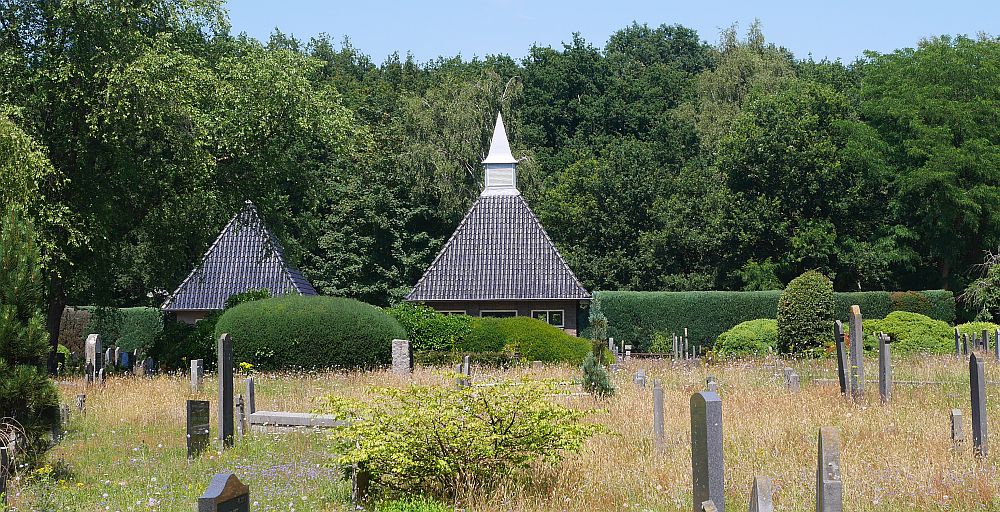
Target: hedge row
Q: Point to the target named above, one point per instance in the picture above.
(128, 328)
(636, 317)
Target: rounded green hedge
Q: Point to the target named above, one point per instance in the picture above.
(912, 333)
(751, 338)
(533, 339)
(805, 313)
(977, 328)
(310, 332)
(485, 335)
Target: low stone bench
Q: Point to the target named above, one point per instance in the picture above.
(273, 421)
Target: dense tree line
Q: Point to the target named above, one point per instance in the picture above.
(132, 130)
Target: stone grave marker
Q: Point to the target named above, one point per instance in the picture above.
(708, 506)
(707, 462)
(241, 416)
(996, 345)
(829, 487)
(884, 368)
(197, 374)
(118, 356)
(401, 357)
(957, 436)
(467, 367)
(857, 354)
(225, 493)
(197, 426)
(965, 344)
(93, 353)
(676, 351)
(711, 384)
(5, 465)
(81, 403)
(838, 335)
(149, 367)
(639, 379)
(793, 382)
(251, 396)
(225, 369)
(977, 383)
(125, 361)
(986, 340)
(537, 365)
(109, 357)
(659, 433)
(958, 343)
(628, 351)
(761, 495)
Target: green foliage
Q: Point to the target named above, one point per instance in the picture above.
(310, 332)
(983, 294)
(26, 393)
(431, 440)
(429, 330)
(913, 333)
(753, 338)
(538, 341)
(485, 335)
(180, 342)
(412, 505)
(977, 328)
(595, 378)
(805, 314)
(248, 296)
(760, 275)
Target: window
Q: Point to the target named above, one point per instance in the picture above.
(498, 314)
(549, 316)
(454, 312)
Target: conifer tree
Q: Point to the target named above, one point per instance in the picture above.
(26, 393)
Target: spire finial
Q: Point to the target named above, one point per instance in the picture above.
(499, 146)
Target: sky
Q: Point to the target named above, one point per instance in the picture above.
(826, 29)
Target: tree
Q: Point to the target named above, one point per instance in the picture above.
(26, 393)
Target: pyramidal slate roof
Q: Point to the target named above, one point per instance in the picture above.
(500, 251)
(245, 256)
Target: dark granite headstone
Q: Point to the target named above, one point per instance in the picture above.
(251, 396)
(884, 368)
(225, 494)
(985, 342)
(707, 462)
(838, 335)
(761, 495)
(965, 344)
(996, 345)
(977, 382)
(225, 352)
(197, 426)
(857, 354)
(4, 473)
(829, 487)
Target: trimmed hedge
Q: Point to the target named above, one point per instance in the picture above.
(539, 341)
(429, 330)
(310, 332)
(747, 339)
(805, 314)
(911, 333)
(636, 316)
(128, 328)
(977, 328)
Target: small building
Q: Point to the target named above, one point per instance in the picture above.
(245, 256)
(500, 262)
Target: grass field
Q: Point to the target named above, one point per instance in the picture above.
(128, 451)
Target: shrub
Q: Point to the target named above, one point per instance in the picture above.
(977, 328)
(536, 340)
(139, 327)
(248, 296)
(412, 505)
(747, 339)
(429, 330)
(912, 332)
(595, 378)
(310, 332)
(805, 314)
(179, 342)
(73, 328)
(433, 440)
(485, 335)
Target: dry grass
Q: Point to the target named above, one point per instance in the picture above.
(896, 457)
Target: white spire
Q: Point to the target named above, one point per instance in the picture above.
(499, 146)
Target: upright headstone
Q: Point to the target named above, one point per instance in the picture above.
(401, 357)
(659, 433)
(225, 368)
(241, 416)
(125, 361)
(197, 374)
(957, 436)
(838, 338)
(958, 343)
(628, 351)
(986, 340)
(884, 368)
(4, 472)
(793, 382)
(996, 345)
(467, 367)
(675, 347)
(761, 495)
(251, 396)
(93, 354)
(965, 344)
(977, 382)
(225, 494)
(149, 367)
(360, 482)
(197, 426)
(857, 353)
(109, 357)
(81, 403)
(639, 379)
(711, 384)
(118, 357)
(829, 487)
(707, 463)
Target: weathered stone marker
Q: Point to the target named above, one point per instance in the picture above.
(957, 436)
(197, 426)
(197, 374)
(225, 493)
(793, 382)
(761, 495)
(251, 396)
(708, 506)
(93, 353)
(829, 487)
(977, 382)
(965, 344)
(884, 368)
(241, 416)
(4, 473)
(401, 357)
(467, 368)
(711, 384)
(659, 433)
(857, 354)
(996, 345)
(958, 343)
(986, 340)
(838, 335)
(639, 379)
(707, 462)
(225, 414)
(81, 403)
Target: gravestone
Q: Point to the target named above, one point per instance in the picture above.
(401, 357)
(360, 482)
(225, 494)
(628, 351)
(977, 383)
(958, 343)
(125, 361)
(197, 426)
(707, 462)
(986, 340)
(884, 368)
(5, 465)
(225, 369)
(149, 367)
(996, 345)
(93, 353)
(708, 506)
(957, 436)
(467, 367)
(118, 357)
(965, 344)
(536, 365)
(251, 396)
(857, 354)
(711, 384)
(838, 335)
(197, 374)
(81, 403)
(109, 357)
(793, 382)
(241, 417)
(639, 379)
(659, 433)
(829, 487)
(761, 495)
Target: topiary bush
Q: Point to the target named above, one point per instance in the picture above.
(977, 328)
(805, 314)
(485, 335)
(538, 341)
(310, 332)
(429, 330)
(911, 333)
(748, 339)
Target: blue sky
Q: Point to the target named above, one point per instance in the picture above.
(833, 29)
